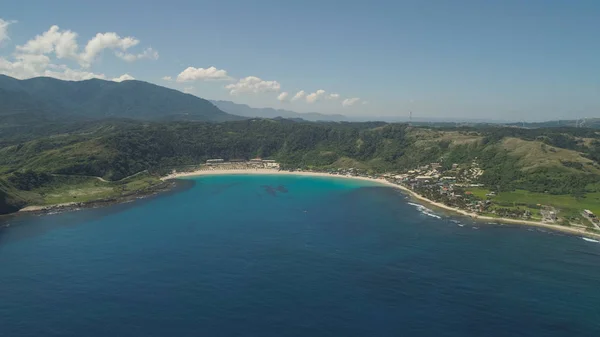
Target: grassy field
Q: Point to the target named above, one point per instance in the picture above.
(89, 189)
(535, 154)
(567, 204)
(479, 192)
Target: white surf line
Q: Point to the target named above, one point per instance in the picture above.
(590, 240)
(424, 210)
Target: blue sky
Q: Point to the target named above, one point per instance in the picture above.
(504, 60)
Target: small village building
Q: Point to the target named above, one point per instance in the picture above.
(271, 164)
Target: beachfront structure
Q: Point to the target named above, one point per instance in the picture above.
(270, 164)
(240, 164)
(588, 214)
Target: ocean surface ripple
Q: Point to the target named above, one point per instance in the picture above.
(290, 256)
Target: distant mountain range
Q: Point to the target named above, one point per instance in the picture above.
(247, 111)
(47, 99)
(43, 100)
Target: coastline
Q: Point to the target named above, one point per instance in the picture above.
(77, 205)
(474, 216)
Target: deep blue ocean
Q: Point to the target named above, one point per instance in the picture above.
(289, 256)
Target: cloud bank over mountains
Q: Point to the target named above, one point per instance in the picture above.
(57, 53)
(255, 85)
(49, 53)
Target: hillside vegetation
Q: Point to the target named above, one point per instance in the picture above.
(45, 100)
(63, 141)
(552, 161)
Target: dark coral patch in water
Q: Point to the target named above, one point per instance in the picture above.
(274, 190)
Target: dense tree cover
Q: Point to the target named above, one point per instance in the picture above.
(29, 180)
(6, 204)
(42, 100)
(9, 200)
(502, 172)
(50, 127)
(594, 151)
(119, 148)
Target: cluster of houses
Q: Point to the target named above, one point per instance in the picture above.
(351, 172)
(451, 184)
(433, 175)
(242, 164)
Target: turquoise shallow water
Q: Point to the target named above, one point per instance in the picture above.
(289, 256)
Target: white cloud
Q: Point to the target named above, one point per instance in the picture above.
(124, 77)
(315, 96)
(188, 90)
(253, 84)
(299, 95)
(322, 95)
(63, 72)
(283, 96)
(365, 102)
(148, 53)
(38, 56)
(201, 74)
(27, 66)
(4, 30)
(350, 101)
(64, 44)
(104, 41)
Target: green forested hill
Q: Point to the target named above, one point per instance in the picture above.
(554, 161)
(117, 149)
(43, 99)
(62, 140)
(11, 199)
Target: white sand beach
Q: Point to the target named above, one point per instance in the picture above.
(205, 172)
